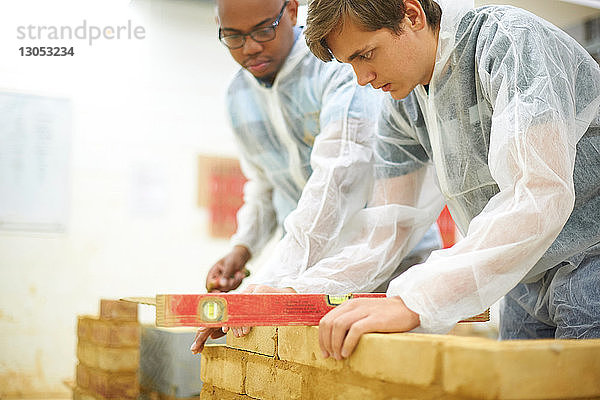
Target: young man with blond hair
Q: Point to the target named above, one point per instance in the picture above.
(495, 112)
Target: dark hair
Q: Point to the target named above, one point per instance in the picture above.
(326, 16)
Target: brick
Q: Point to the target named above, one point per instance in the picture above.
(214, 393)
(535, 369)
(107, 384)
(108, 333)
(414, 356)
(346, 385)
(269, 379)
(403, 358)
(108, 358)
(261, 340)
(223, 367)
(118, 310)
(82, 394)
(146, 394)
(340, 390)
(300, 344)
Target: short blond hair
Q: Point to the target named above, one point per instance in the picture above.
(326, 16)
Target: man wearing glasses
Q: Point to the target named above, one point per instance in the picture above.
(305, 130)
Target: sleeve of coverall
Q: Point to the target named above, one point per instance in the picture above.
(374, 240)
(256, 219)
(532, 153)
(339, 186)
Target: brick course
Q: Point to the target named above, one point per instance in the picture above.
(404, 366)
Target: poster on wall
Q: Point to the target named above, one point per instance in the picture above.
(35, 136)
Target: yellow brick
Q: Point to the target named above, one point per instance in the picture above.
(223, 367)
(108, 333)
(403, 358)
(348, 385)
(261, 340)
(214, 393)
(118, 310)
(149, 394)
(399, 358)
(535, 369)
(107, 358)
(112, 385)
(300, 344)
(82, 394)
(268, 379)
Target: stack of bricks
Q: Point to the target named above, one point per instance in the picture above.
(286, 363)
(108, 351)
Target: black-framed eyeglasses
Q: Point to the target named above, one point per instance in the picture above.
(260, 35)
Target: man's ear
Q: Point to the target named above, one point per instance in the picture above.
(415, 14)
(292, 8)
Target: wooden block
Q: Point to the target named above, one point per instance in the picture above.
(118, 310)
(108, 333)
(111, 385)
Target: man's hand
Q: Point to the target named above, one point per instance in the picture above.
(244, 330)
(228, 273)
(204, 333)
(202, 336)
(341, 328)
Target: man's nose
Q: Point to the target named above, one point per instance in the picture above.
(364, 76)
(251, 46)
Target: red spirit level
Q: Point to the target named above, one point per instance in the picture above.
(264, 309)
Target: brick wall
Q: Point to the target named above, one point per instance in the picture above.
(286, 363)
(108, 351)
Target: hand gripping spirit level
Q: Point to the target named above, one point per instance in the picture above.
(264, 309)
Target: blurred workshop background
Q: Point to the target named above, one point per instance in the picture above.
(110, 161)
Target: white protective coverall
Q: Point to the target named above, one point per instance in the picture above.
(510, 125)
(306, 145)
